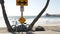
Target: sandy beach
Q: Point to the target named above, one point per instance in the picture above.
(51, 26)
(48, 30)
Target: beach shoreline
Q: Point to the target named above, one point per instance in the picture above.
(47, 28)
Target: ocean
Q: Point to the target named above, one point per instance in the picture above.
(42, 21)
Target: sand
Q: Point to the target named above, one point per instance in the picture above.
(49, 30)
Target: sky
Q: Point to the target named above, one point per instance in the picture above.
(33, 8)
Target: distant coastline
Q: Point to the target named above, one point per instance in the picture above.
(52, 15)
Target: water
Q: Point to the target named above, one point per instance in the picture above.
(42, 21)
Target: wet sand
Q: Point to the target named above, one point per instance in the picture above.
(49, 30)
